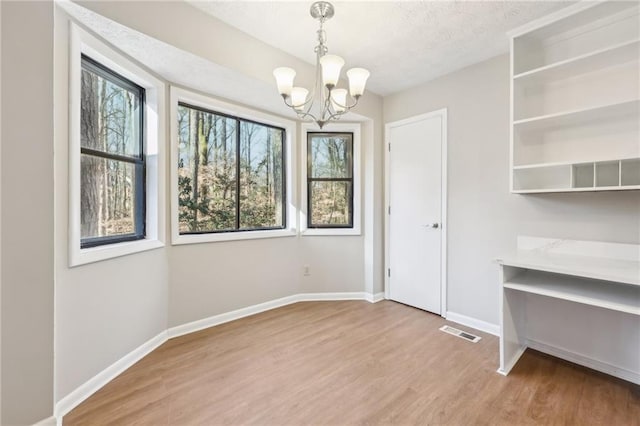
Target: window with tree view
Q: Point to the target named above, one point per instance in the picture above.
(230, 173)
(330, 180)
(112, 167)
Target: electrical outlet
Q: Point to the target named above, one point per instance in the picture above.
(306, 270)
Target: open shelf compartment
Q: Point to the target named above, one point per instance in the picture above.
(629, 108)
(604, 294)
(607, 173)
(548, 178)
(582, 175)
(621, 53)
(593, 29)
(630, 172)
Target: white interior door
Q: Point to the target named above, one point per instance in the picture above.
(415, 199)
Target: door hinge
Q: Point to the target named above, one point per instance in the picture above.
(389, 209)
(389, 144)
(389, 272)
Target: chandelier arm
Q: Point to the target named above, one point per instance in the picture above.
(290, 105)
(337, 114)
(301, 114)
(304, 115)
(327, 102)
(348, 107)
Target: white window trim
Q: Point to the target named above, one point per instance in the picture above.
(83, 42)
(209, 103)
(354, 128)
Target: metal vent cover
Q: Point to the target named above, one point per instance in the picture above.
(461, 334)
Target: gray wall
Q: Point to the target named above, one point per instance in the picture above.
(213, 278)
(103, 310)
(484, 218)
(0, 214)
(27, 212)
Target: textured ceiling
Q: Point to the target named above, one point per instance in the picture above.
(402, 43)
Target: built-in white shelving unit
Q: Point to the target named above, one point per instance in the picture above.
(578, 300)
(575, 100)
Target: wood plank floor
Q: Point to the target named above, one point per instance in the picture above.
(351, 362)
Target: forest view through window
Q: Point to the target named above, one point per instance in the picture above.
(112, 168)
(330, 180)
(231, 173)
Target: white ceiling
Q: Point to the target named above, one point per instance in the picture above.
(402, 43)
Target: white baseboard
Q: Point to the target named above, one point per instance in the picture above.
(94, 384)
(49, 421)
(603, 367)
(312, 297)
(487, 327)
(375, 298)
(201, 324)
(509, 364)
(87, 389)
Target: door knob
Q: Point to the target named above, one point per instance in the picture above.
(432, 225)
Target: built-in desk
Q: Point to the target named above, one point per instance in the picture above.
(578, 300)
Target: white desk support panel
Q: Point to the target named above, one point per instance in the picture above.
(577, 300)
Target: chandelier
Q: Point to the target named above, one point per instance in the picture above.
(330, 102)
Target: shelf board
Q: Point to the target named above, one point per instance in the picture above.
(548, 165)
(570, 163)
(605, 294)
(611, 56)
(578, 116)
(598, 268)
(586, 189)
(549, 29)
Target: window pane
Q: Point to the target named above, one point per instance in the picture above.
(206, 171)
(261, 183)
(330, 156)
(330, 203)
(110, 116)
(107, 197)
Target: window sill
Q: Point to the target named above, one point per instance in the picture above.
(330, 232)
(231, 236)
(96, 254)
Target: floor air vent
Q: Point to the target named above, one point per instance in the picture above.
(461, 334)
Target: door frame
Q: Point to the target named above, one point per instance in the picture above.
(442, 113)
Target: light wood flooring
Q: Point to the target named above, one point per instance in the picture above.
(351, 362)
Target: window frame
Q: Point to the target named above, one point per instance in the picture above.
(311, 179)
(209, 104)
(237, 216)
(139, 162)
(81, 42)
(355, 230)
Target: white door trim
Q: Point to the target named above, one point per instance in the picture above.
(442, 113)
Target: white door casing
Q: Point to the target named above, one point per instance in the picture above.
(415, 220)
